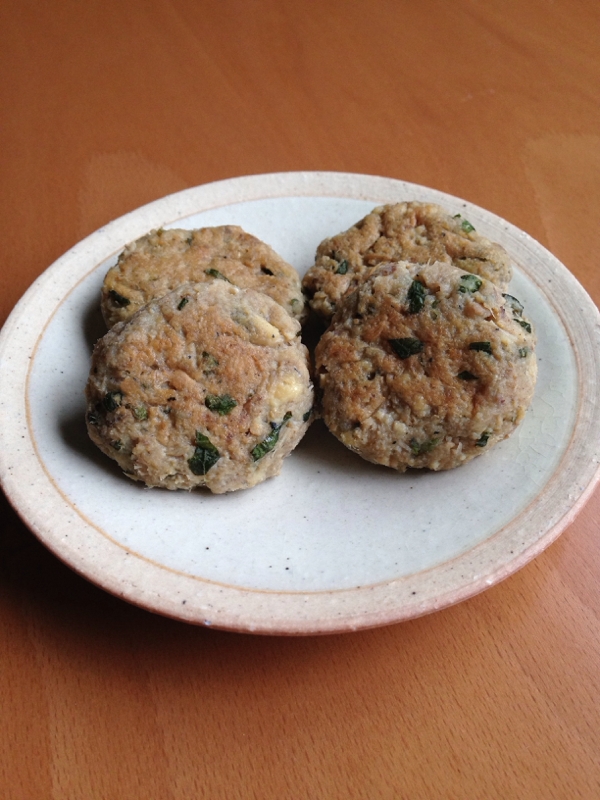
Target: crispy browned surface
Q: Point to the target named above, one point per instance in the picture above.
(417, 232)
(440, 406)
(162, 260)
(152, 377)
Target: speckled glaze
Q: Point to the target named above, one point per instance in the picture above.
(334, 543)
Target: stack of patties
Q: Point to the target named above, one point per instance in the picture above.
(202, 379)
(427, 362)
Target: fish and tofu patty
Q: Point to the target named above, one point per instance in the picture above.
(162, 260)
(412, 231)
(425, 366)
(206, 386)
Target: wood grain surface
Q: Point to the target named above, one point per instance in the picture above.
(108, 105)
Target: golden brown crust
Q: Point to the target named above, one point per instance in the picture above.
(425, 377)
(208, 360)
(416, 232)
(159, 262)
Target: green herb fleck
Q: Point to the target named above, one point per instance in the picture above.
(469, 283)
(214, 273)
(416, 297)
(483, 440)
(517, 309)
(117, 445)
(514, 304)
(210, 363)
(222, 404)
(406, 347)
(342, 267)
(112, 400)
(205, 455)
(467, 376)
(141, 412)
(435, 304)
(269, 442)
(418, 448)
(465, 224)
(93, 418)
(483, 347)
(523, 352)
(182, 303)
(306, 415)
(118, 299)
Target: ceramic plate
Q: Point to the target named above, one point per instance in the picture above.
(334, 543)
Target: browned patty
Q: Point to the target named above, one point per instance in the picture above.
(159, 262)
(207, 386)
(418, 232)
(425, 366)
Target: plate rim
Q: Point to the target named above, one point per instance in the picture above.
(278, 185)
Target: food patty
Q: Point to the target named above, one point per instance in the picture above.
(159, 262)
(207, 386)
(425, 366)
(418, 232)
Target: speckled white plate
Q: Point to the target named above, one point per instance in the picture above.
(334, 543)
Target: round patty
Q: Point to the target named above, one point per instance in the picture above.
(162, 260)
(425, 366)
(418, 232)
(207, 386)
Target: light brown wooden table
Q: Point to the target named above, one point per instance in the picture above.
(106, 106)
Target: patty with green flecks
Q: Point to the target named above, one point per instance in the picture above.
(418, 232)
(162, 260)
(425, 366)
(207, 386)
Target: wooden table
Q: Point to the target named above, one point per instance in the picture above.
(106, 106)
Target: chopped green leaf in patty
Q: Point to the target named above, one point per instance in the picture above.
(118, 299)
(469, 283)
(514, 304)
(482, 347)
(214, 273)
(465, 224)
(205, 455)
(112, 400)
(406, 347)
(141, 412)
(221, 404)
(418, 448)
(416, 297)
(269, 442)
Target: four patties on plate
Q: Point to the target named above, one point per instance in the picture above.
(425, 363)
(206, 386)
(425, 366)
(411, 231)
(164, 259)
